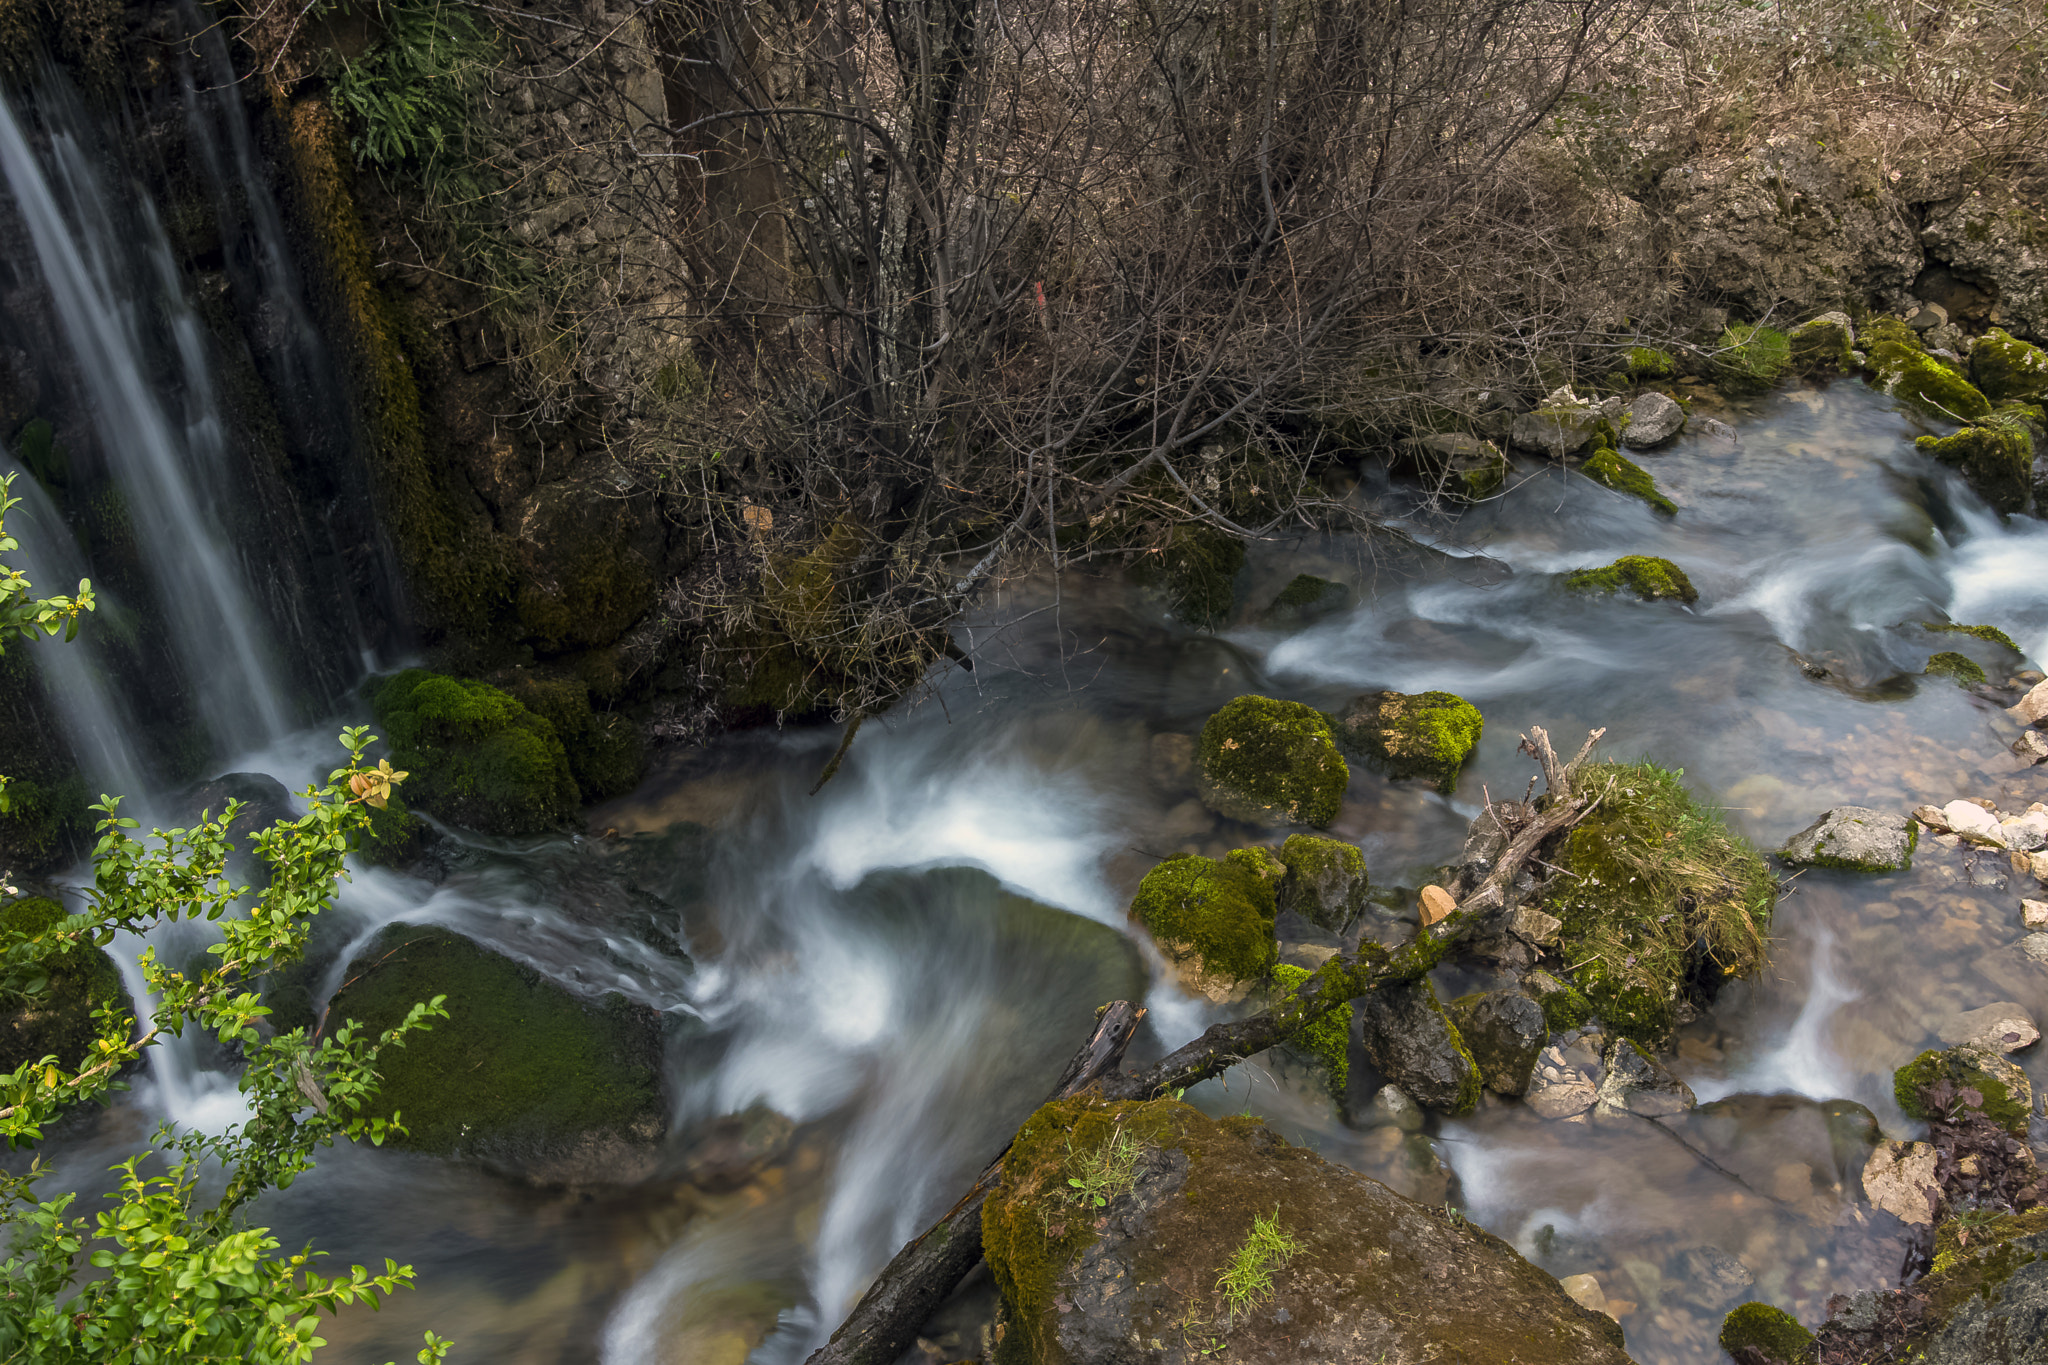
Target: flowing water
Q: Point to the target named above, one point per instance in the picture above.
(899, 965)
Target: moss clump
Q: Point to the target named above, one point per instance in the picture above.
(1996, 460)
(1911, 1082)
(1426, 734)
(1196, 570)
(1217, 912)
(1266, 760)
(476, 756)
(2004, 367)
(519, 1064)
(1822, 348)
(1659, 901)
(1327, 1041)
(1900, 368)
(1648, 577)
(395, 836)
(1750, 358)
(1949, 664)
(1643, 363)
(1304, 596)
(1988, 634)
(1772, 1331)
(606, 756)
(1326, 880)
(1609, 466)
(56, 1020)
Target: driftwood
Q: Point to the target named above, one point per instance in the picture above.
(884, 1324)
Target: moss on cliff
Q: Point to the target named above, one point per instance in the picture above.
(1267, 760)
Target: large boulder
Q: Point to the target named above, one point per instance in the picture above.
(1856, 839)
(475, 755)
(1217, 1233)
(1413, 1043)
(1272, 762)
(55, 1020)
(1213, 919)
(1988, 1295)
(1424, 734)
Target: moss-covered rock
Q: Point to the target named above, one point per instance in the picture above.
(1213, 919)
(1326, 880)
(1304, 598)
(1424, 734)
(1770, 1331)
(1822, 348)
(1647, 576)
(1646, 364)
(476, 756)
(1997, 461)
(1455, 465)
(1988, 634)
(1659, 900)
(2008, 1097)
(1610, 467)
(1272, 762)
(1370, 1275)
(521, 1072)
(2004, 367)
(606, 755)
(1195, 570)
(1564, 1008)
(1327, 1041)
(57, 1019)
(1414, 1043)
(1949, 664)
(1898, 366)
(1750, 358)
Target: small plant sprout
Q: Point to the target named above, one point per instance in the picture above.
(1104, 1173)
(1247, 1281)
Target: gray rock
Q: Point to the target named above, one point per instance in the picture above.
(1824, 347)
(1504, 1031)
(1636, 1083)
(1326, 880)
(1927, 317)
(1653, 419)
(1855, 838)
(1563, 1086)
(1710, 1279)
(1414, 1044)
(2008, 1326)
(1899, 1178)
(2002, 1027)
(1391, 1108)
(1560, 425)
(1993, 236)
(2032, 746)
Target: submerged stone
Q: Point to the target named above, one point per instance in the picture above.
(1961, 667)
(1647, 576)
(1304, 598)
(1424, 734)
(1196, 571)
(1998, 462)
(1414, 1044)
(1272, 762)
(1213, 919)
(1326, 880)
(1855, 839)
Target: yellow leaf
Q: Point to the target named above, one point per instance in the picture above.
(50, 1077)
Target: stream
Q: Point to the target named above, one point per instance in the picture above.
(899, 965)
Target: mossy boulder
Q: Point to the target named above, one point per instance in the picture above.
(2008, 1095)
(1195, 569)
(1750, 358)
(1770, 1332)
(1610, 467)
(1213, 918)
(1659, 900)
(1986, 1294)
(1304, 598)
(1423, 734)
(1822, 348)
(1564, 1007)
(1898, 366)
(1371, 1276)
(2005, 368)
(1325, 1043)
(1414, 1043)
(1647, 576)
(55, 1020)
(1562, 424)
(1272, 762)
(1997, 461)
(1326, 880)
(476, 756)
(1961, 667)
(606, 755)
(522, 1073)
(1855, 839)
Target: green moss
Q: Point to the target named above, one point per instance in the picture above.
(1965, 1269)
(1648, 577)
(1196, 570)
(476, 756)
(1917, 379)
(518, 1060)
(1750, 358)
(1773, 1331)
(1564, 1008)
(1326, 880)
(1949, 664)
(1659, 899)
(606, 756)
(1911, 1081)
(1327, 1041)
(1989, 634)
(1821, 348)
(1219, 912)
(1424, 734)
(1608, 466)
(46, 822)
(1647, 362)
(1263, 759)
(2006, 368)
(1996, 460)
(56, 1020)
(395, 836)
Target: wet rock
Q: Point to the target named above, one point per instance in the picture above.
(1855, 838)
(1647, 576)
(1653, 419)
(2035, 946)
(1759, 1332)
(1998, 463)
(2006, 368)
(2007, 1094)
(731, 1150)
(1213, 919)
(2024, 833)
(1372, 1276)
(1428, 734)
(1990, 1295)
(1560, 1088)
(1899, 1178)
(1505, 1032)
(2032, 708)
(1636, 1083)
(2032, 746)
(264, 803)
(1272, 762)
(1710, 1279)
(2001, 1027)
(1459, 467)
(1824, 347)
(1414, 1044)
(1392, 1108)
(1326, 880)
(1562, 424)
(1304, 599)
(2034, 914)
(1585, 1291)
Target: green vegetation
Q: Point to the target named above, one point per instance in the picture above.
(1609, 466)
(606, 756)
(2006, 368)
(1271, 761)
(1911, 1082)
(1750, 358)
(1949, 664)
(1327, 1041)
(1657, 895)
(1996, 459)
(1771, 1331)
(48, 1006)
(1648, 577)
(1101, 1173)
(395, 836)
(1564, 1008)
(1902, 369)
(1220, 912)
(1822, 348)
(1645, 363)
(1989, 634)
(1306, 595)
(1326, 880)
(408, 98)
(478, 757)
(1247, 1281)
(1425, 734)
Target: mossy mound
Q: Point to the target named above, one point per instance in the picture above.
(519, 1069)
(1608, 466)
(1771, 1331)
(2005, 368)
(1997, 461)
(1988, 634)
(606, 756)
(1647, 576)
(1646, 363)
(1326, 880)
(1659, 899)
(1216, 916)
(1327, 1041)
(1304, 598)
(1425, 734)
(1822, 348)
(56, 1020)
(1949, 664)
(475, 755)
(1750, 358)
(1900, 368)
(1271, 761)
(1965, 1070)
(1196, 571)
